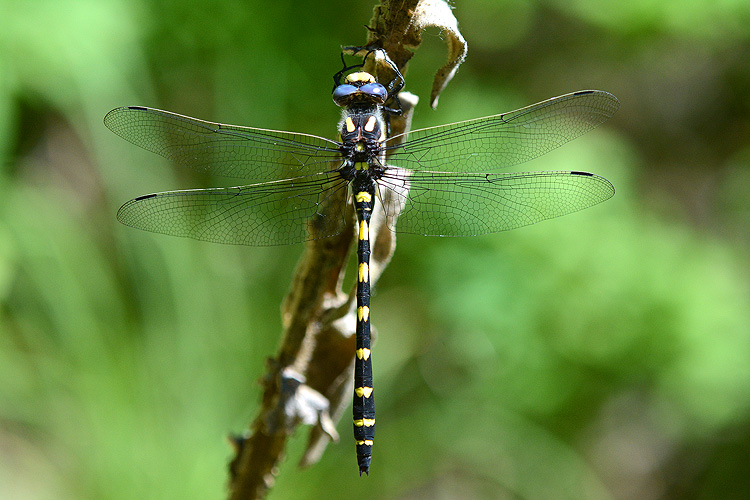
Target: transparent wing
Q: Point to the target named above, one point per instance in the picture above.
(254, 154)
(507, 139)
(272, 213)
(447, 204)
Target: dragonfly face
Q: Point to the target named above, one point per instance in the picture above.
(362, 88)
(438, 175)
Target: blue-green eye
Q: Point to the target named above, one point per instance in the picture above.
(376, 90)
(343, 93)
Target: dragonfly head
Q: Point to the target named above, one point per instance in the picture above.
(359, 88)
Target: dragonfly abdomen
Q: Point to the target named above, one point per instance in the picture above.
(364, 400)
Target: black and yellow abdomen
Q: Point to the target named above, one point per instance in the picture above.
(363, 137)
(364, 399)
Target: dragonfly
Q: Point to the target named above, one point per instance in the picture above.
(438, 177)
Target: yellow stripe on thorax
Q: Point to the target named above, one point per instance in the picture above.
(370, 124)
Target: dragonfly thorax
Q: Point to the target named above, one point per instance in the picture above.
(362, 142)
(362, 127)
(362, 139)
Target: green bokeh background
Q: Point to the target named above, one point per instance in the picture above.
(604, 355)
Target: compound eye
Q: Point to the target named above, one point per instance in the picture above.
(375, 90)
(343, 93)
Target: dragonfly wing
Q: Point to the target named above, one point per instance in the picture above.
(272, 213)
(447, 204)
(507, 139)
(254, 154)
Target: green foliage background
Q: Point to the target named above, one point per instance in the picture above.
(602, 355)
